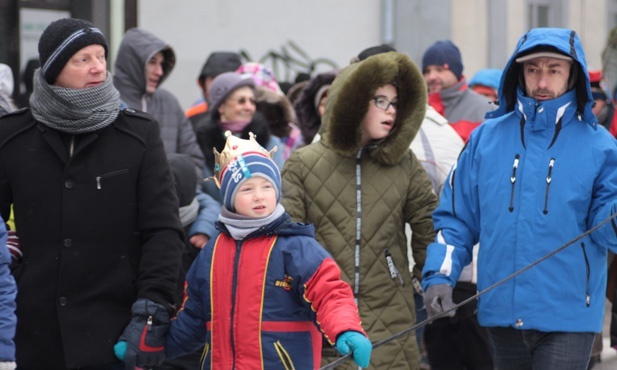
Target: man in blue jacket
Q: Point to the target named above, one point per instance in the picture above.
(536, 174)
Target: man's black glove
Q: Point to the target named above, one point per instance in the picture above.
(145, 335)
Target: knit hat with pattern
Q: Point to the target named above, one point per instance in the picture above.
(61, 40)
(239, 161)
(444, 54)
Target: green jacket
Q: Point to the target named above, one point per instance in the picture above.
(320, 185)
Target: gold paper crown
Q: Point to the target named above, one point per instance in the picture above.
(234, 147)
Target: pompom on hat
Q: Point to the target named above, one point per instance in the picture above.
(261, 75)
(444, 54)
(239, 161)
(61, 40)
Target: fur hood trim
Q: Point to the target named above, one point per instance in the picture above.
(348, 102)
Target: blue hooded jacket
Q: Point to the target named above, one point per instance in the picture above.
(534, 176)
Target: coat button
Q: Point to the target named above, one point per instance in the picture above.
(68, 243)
(62, 301)
(68, 184)
(519, 323)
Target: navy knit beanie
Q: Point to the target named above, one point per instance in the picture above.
(61, 40)
(444, 54)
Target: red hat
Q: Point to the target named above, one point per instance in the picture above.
(596, 83)
(595, 77)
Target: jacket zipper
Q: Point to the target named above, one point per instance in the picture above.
(587, 272)
(115, 173)
(512, 181)
(284, 356)
(233, 303)
(204, 355)
(549, 178)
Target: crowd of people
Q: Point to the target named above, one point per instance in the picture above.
(278, 227)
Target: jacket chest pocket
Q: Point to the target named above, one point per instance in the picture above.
(106, 178)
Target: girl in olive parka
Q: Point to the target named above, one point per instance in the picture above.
(360, 185)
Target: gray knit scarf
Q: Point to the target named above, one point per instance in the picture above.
(74, 111)
(240, 227)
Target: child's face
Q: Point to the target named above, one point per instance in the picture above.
(256, 198)
(378, 122)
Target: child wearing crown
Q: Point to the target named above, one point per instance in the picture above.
(263, 291)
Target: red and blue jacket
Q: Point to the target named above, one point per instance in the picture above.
(463, 108)
(264, 302)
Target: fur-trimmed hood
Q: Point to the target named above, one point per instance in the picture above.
(308, 117)
(354, 88)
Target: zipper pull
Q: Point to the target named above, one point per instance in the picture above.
(98, 182)
(149, 323)
(588, 299)
(393, 270)
(550, 170)
(512, 181)
(514, 167)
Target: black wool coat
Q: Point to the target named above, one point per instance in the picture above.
(98, 230)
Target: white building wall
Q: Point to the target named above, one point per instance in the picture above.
(339, 29)
(590, 27)
(469, 33)
(516, 24)
(336, 30)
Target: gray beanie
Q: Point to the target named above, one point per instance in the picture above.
(225, 84)
(61, 40)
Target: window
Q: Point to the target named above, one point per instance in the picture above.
(544, 13)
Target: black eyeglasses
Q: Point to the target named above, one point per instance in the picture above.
(383, 103)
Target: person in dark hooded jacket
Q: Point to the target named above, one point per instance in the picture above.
(144, 62)
(218, 62)
(311, 104)
(23, 100)
(537, 174)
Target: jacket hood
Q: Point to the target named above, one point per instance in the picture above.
(308, 117)
(348, 102)
(137, 48)
(562, 40)
(277, 109)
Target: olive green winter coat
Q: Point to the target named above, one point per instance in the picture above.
(320, 186)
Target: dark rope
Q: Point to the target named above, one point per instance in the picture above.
(380, 343)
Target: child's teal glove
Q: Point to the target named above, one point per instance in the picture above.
(352, 341)
(120, 350)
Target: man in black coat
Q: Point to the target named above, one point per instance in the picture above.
(95, 210)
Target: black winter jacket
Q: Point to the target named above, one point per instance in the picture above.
(98, 230)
